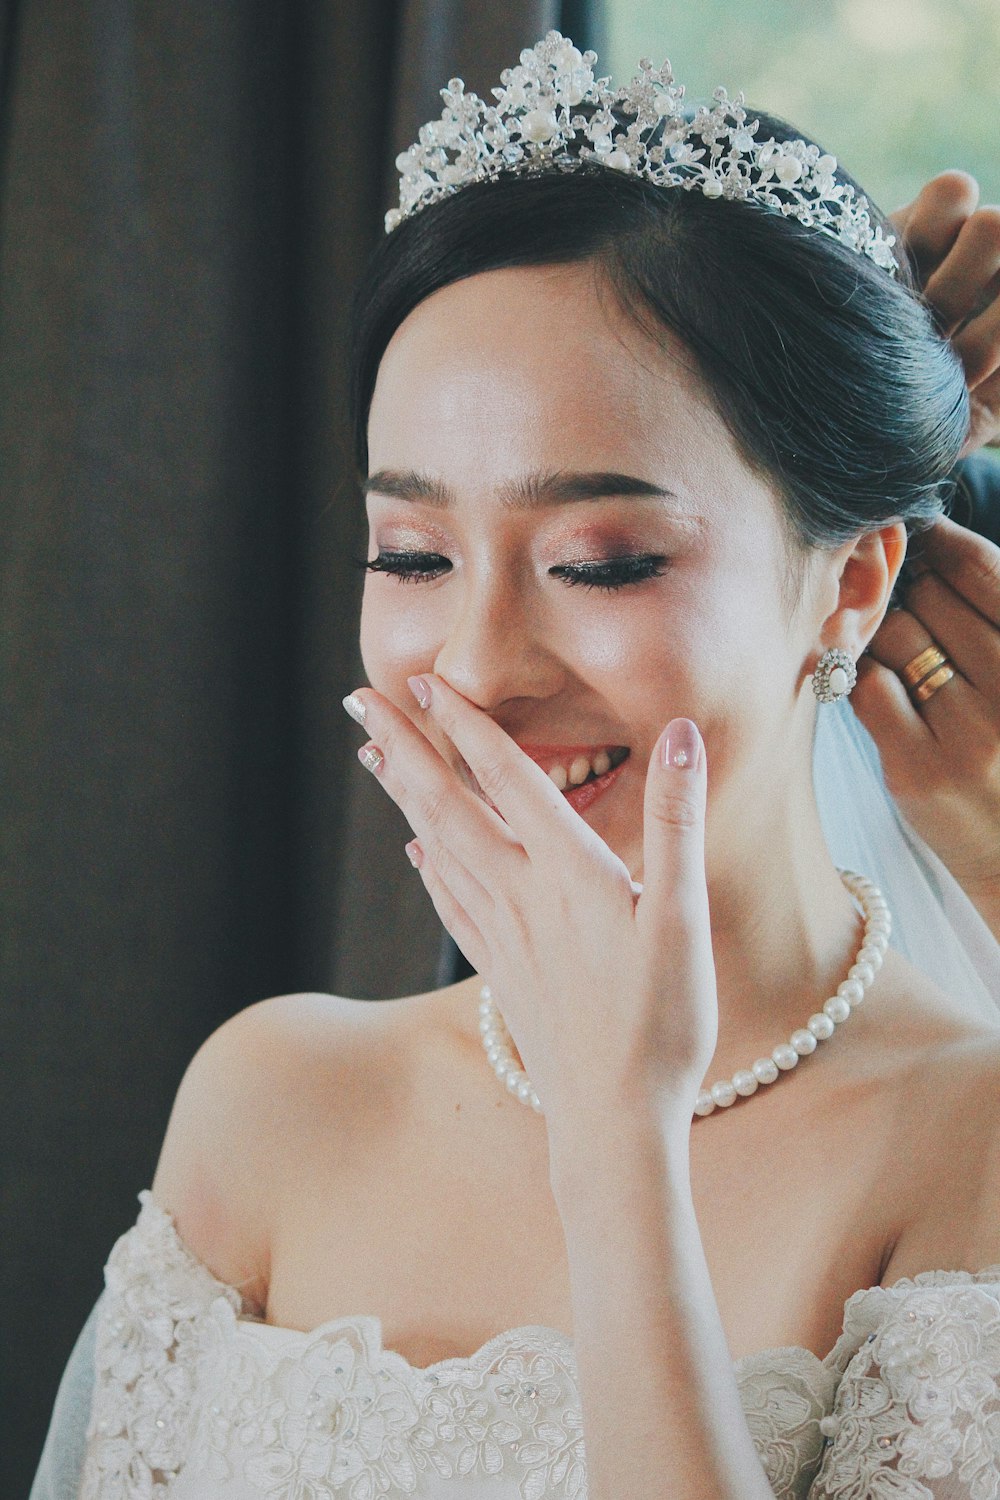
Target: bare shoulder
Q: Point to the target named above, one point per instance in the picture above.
(949, 1140)
(255, 1098)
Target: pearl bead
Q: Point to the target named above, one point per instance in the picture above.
(712, 187)
(821, 1026)
(788, 169)
(838, 678)
(539, 125)
(723, 1093)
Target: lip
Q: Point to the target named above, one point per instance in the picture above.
(582, 797)
(562, 753)
(579, 797)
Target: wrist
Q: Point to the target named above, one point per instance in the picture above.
(599, 1148)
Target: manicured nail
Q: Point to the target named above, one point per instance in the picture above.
(371, 757)
(414, 854)
(421, 690)
(681, 746)
(355, 708)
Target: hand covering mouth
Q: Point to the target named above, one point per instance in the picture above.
(567, 766)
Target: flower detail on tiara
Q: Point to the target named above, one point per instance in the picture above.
(641, 130)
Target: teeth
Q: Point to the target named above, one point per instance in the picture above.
(579, 770)
(581, 767)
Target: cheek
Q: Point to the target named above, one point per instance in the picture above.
(396, 639)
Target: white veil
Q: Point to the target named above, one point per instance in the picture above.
(934, 924)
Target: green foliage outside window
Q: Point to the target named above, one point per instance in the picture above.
(898, 90)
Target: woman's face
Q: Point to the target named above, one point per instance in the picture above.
(577, 547)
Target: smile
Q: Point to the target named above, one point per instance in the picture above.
(581, 772)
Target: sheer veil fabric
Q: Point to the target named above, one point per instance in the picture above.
(934, 924)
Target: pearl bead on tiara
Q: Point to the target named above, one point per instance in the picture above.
(496, 1038)
(642, 130)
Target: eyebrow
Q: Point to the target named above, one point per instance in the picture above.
(519, 494)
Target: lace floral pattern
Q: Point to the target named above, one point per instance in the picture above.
(918, 1409)
(196, 1398)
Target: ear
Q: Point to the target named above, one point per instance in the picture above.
(858, 579)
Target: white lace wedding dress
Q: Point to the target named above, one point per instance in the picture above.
(195, 1399)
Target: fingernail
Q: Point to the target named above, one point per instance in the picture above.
(682, 745)
(414, 854)
(421, 690)
(371, 757)
(355, 708)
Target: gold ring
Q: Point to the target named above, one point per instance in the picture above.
(922, 666)
(930, 685)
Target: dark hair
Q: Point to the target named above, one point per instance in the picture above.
(827, 371)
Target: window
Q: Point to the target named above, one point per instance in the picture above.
(898, 90)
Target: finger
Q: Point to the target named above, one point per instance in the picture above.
(675, 890)
(904, 740)
(978, 345)
(966, 280)
(474, 896)
(429, 790)
(971, 642)
(969, 562)
(954, 712)
(931, 223)
(984, 415)
(525, 798)
(454, 918)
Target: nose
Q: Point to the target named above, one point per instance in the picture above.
(494, 649)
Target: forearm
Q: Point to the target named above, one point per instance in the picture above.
(661, 1408)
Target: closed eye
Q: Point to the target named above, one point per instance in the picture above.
(601, 573)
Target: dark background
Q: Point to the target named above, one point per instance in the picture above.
(187, 191)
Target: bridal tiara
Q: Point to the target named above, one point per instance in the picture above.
(641, 130)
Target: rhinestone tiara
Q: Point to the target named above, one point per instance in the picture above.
(641, 130)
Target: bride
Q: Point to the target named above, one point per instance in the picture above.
(653, 1204)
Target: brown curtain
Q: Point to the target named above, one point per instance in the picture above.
(187, 191)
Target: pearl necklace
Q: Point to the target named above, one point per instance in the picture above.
(878, 924)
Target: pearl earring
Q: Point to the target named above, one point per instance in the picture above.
(834, 676)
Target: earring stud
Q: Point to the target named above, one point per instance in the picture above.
(834, 676)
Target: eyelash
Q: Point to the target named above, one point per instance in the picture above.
(608, 575)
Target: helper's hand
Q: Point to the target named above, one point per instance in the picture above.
(956, 246)
(608, 991)
(941, 757)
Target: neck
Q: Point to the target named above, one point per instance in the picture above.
(785, 930)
